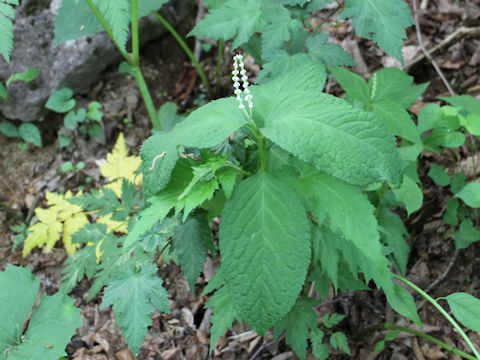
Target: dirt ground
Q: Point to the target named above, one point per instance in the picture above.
(184, 334)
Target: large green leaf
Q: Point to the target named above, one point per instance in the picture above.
(234, 19)
(466, 102)
(297, 324)
(382, 21)
(354, 85)
(265, 248)
(204, 128)
(7, 14)
(326, 131)
(470, 194)
(75, 19)
(51, 325)
(329, 53)
(189, 244)
(135, 293)
(466, 309)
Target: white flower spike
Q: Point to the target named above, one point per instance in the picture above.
(239, 69)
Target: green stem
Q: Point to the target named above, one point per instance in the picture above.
(262, 151)
(185, 48)
(107, 29)
(381, 193)
(135, 44)
(147, 98)
(219, 61)
(453, 350)
(442, 311)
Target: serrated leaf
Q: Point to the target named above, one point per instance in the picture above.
(395, 85)
(7, 15)
(354, 85)
(466, 308)
(76, 267)
(157, 236)
(234, 19)
(75, 19)
(403, 303)
(135, 294)
(51, 325)
(394, 233)
(30, 133)
(329, 53)
(120, 166)
(8, 129)
(470, 194)
(326, 131)
(466, 234)
(204, 128)
(338, 340)
(297, 325)
(117, 16)
(265, 249)
(223, 314)
(325, 250)
(26, 76)
(227, 178)
(330, 320)
(190, 247)
(61, 100)
(383, 22)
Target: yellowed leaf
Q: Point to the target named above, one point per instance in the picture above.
(119, 165)
(112, 225)
(70, 227)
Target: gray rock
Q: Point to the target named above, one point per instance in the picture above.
(75, 64)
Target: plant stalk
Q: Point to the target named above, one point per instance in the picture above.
(147, 99)
(135, 44)
(442, 311)
(185, 48)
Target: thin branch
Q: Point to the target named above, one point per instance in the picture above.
(425, 51)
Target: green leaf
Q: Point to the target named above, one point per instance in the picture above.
(466, 309)
(330, 320)
(392, 335)
(61, 100)
(94, 112)
(204, 128)
(51, 325)
(429, 117)
(190, 247)
(395, 85)
(410, 194)
(383, 22)
(470, 194)
(394, 233)
(297, 324)
(353, 84)
(3, 91)
(328, 53)
(7, 15)
(26, 76)
(64, 140)
(72, 118)
(279, 27)
(90, 233)
(8, 129)
(234, 19)
(82, 263)
(466, 102)
(168, 116)
(326, 252)
(402, 302)
(223, 315)
(450, 216)
(104, 201)
(95, 131)
(158, 235)
(466, 235)
(438, 174)
(135, 293)
(326, 131)
(338, 340)
(458, 182)
(227, 177)
(75, 19)
(472, 124)
(30, 133)
(265, 249)
(319, 350)
(397, 119)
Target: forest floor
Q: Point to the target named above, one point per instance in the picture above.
(184, 334)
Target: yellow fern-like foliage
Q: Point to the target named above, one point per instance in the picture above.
(62, 219)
